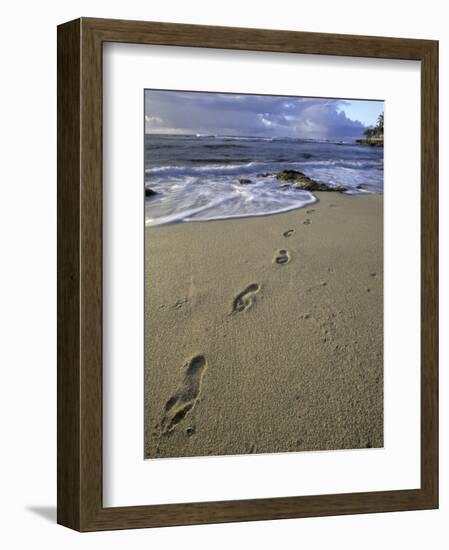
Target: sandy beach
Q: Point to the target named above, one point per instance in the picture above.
(265, 334)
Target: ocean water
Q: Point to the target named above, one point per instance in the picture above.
(195, 177)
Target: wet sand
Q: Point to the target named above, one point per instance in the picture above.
(265, 334)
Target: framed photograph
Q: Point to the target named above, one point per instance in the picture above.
(247, 274)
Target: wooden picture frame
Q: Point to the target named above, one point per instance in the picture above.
(80, 503)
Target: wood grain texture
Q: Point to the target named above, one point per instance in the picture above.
(80, 274)
(429, 271)
(69, 408)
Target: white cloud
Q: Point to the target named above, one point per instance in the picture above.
(214, 113)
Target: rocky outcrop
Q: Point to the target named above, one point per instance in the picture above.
(298, 180)
(289, 179)
(150, 192)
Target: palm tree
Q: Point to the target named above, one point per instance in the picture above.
(379, 129)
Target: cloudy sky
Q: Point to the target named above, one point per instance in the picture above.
(257, 115)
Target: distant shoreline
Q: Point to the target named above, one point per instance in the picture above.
(373, 142)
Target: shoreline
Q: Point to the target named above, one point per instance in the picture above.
(264, 215)
(266, 335)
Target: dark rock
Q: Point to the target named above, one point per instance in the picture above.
(303, 182)
(244, 181)
(292, 176)
(359, 187)
(150, 192)
(307, 155)
(264, 175)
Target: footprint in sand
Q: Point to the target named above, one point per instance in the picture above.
(283, 257)
(187, 395)
(246, 298)
(310, 211)
(288, 233)
(306, 222)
